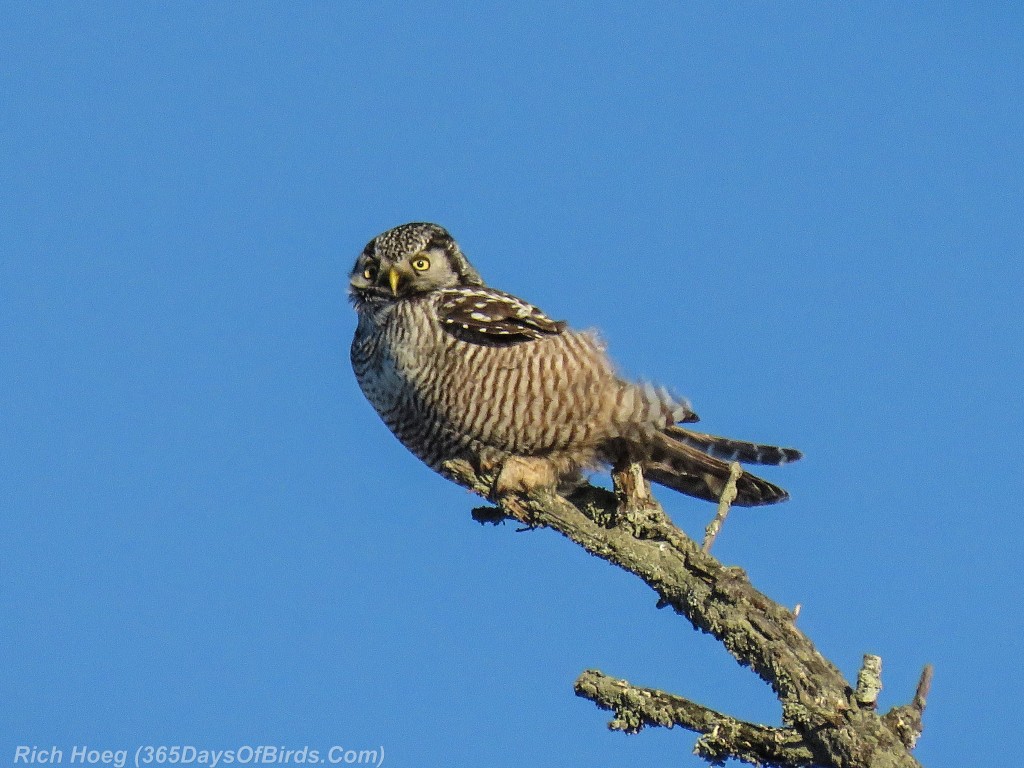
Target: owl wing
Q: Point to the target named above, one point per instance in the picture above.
(488, 316)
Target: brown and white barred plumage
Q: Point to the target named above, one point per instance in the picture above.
(460, 370)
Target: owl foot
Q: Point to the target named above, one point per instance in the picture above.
(525, 474)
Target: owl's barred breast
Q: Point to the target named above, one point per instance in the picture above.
(443, 396)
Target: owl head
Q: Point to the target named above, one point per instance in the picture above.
(410, 260)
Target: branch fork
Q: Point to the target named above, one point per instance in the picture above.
(828, 722)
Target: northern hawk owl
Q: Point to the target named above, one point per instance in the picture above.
(460, 370)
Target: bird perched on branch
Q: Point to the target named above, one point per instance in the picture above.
(460, 370)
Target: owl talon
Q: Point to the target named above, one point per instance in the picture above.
(520, 474)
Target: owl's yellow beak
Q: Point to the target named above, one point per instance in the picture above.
(394, 276)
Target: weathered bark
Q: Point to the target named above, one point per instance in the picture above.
(828, 723)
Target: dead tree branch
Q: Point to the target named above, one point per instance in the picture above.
(723, 736)
(825, 724)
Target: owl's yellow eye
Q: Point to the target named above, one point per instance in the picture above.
(421, 264)
(368, 273)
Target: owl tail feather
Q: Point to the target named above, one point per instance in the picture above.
(727, 449)
(698, 465)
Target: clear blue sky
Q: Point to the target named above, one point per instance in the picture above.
(806, 217)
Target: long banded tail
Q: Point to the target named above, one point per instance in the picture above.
(697, 464)
(727, 449)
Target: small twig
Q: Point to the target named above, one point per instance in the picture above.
(908, 721)
(724, 502)
(923, 686)
(631, 489)
(869, 681)
(636, 508)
